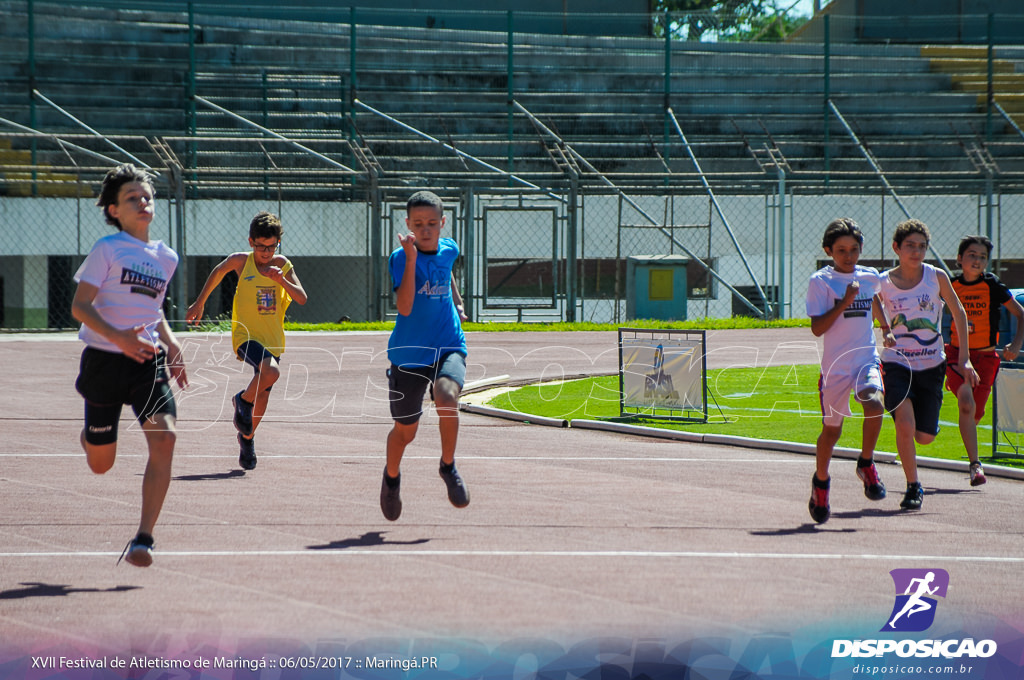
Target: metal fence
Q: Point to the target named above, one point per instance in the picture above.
(565, 161)
(562, 253)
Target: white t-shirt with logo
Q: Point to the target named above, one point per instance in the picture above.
(132, 277)
(850, 341)
(916, 319)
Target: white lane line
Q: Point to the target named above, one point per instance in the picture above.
(633, 459)
(400, 552)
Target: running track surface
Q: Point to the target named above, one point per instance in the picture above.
(568, 532)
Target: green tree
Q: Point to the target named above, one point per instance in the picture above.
(740, 20)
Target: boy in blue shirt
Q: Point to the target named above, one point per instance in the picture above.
(427, 346)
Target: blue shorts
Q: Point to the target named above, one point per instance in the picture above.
(108, 380)
(408, 384)
(922, 388)
(254, 354)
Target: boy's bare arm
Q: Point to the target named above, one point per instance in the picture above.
(457, 299)
(290, 281)
(821, 323)
(127, 340)
(1011, 351)
(175, 360)
(878, 312)
(405, 294)
(960, 321)
(232, 263)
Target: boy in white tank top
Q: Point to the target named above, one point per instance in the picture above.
(913, 360)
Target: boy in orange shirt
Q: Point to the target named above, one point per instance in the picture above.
(981, 293)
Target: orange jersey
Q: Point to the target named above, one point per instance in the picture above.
(981, 300)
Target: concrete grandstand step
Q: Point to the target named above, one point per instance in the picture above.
(971, 65)
(1005, 82)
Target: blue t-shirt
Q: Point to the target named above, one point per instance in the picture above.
(433, 327)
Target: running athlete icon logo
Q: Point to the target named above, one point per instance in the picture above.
(916, 589)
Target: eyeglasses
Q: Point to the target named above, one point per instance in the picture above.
(265, 249)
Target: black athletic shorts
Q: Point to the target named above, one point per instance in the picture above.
(922, 388)
(407, 385)
(108, 380)
(254, 354)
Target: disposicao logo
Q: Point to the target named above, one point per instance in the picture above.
(916, 590)
(913, 612)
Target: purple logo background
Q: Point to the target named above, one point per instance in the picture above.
(915, 605)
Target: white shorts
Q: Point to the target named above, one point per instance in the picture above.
(834, 391)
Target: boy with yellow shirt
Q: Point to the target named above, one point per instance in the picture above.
(267, 284)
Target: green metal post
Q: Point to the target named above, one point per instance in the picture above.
(989, 101)
(828, 95)
(352, 91)
(32, 83)
(991, 85)
(469, 254)
(266, 124)
(510, 78)
(377, 306)
(780, 302)
(352, 87)
(193, 148)
(668, 86)
(570, 248)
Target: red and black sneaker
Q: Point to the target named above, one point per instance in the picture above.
(977, 475)
(873, 487)
(818, 505)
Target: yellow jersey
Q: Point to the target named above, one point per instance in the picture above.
(257, 312)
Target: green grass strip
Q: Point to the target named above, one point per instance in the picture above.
(740, 322)
(776, 402)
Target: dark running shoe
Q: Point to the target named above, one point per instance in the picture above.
(818, 505)
(139, 551)
(873, 487)
(243, 414)
(458, 494)
(914, 497)
(390, 497)
(977, 475)
(246, 453)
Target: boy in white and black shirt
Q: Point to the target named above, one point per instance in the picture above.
(130, 352)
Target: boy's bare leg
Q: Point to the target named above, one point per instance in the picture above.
(446, 402)
(399, 437)
(256, 393)
(259, 407)
(906, 430)
(874, 410)
(160, 436)
(968, 425)
(823, 449)
(100, 457)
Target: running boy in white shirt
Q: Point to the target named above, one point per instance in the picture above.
(131, 353)
(842, 303)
